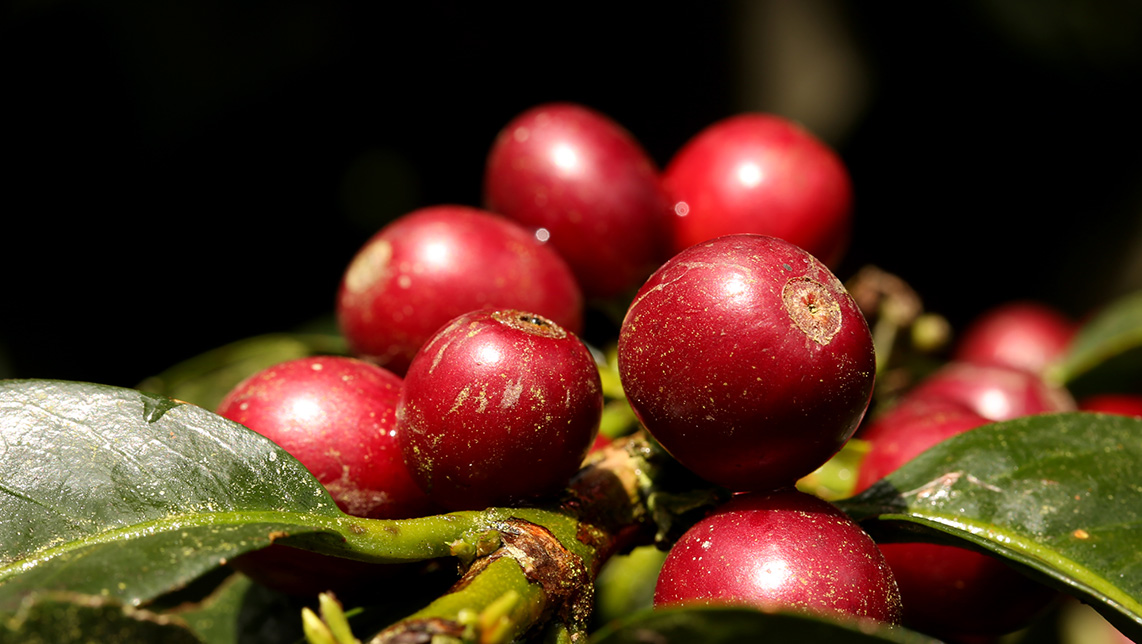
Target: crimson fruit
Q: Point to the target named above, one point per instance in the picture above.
(500, 406)
(586, 183)
(760, 173)
(994, 392)
(1113, 403)
(337, 416)
(780, 550)
(946, 591)
(433, 264)
(908, 428)
(747, 360)
(1021, 334)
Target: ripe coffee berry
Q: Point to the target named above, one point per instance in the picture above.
(747, 360)
(780, 550)
(433, 264)
(992, 391)
(947, 591)
(584, 182)
(500, 406)
(1024, 335)
(908, 428)
(337, 416)
(1113, 403)
(760, 173)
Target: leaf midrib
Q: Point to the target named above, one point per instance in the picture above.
(1018, 548)
(309, 521)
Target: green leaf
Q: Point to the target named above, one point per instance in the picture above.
(626, 583)
(115, 493)
(66, 618)
(1106, 353)
(104, 486)
(726, 625)
(206, 378)
(1058, 495)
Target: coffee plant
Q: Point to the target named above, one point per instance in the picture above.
(675, 452)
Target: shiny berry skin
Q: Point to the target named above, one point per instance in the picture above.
(337, 416)
(499, 407)
(430, 265)
(908, 428)
(946, 591)
(1022, 334)
(586, 183)
(760, 173)
(783, 550)
(1118, 404)
(747, 360)
(994, 392)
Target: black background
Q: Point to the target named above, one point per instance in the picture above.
(184, 174)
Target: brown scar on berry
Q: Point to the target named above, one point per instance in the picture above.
(813, 309)
(529, 323)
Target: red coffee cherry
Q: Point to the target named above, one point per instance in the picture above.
(780, 550)
(908, 427)
(947, 591)
(433, 264)
(586, 184)
(500, 406)
(1113, 403)
(994, 392)
(747, 360)
(337, 416)
(760, 173)
(1023, 334)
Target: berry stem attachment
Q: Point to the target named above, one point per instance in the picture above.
(527, 569)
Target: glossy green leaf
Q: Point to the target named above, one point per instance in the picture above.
(1059, 495)
(70, 618)
(114, 493)
(102, 487)
(1106, 353)
(206, 378)
(735, 625)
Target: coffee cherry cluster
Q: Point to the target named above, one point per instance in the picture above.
(996, 372)
(740, 352)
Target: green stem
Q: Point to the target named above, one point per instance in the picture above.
(394, 541)
(542, 566)
(497, 604)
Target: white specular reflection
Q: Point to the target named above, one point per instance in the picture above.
(565, 158)
(734, 285)
(305, 410)
(750, 174)
(994, 404)
(435, 253)
(771, 574)
(488, 354)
